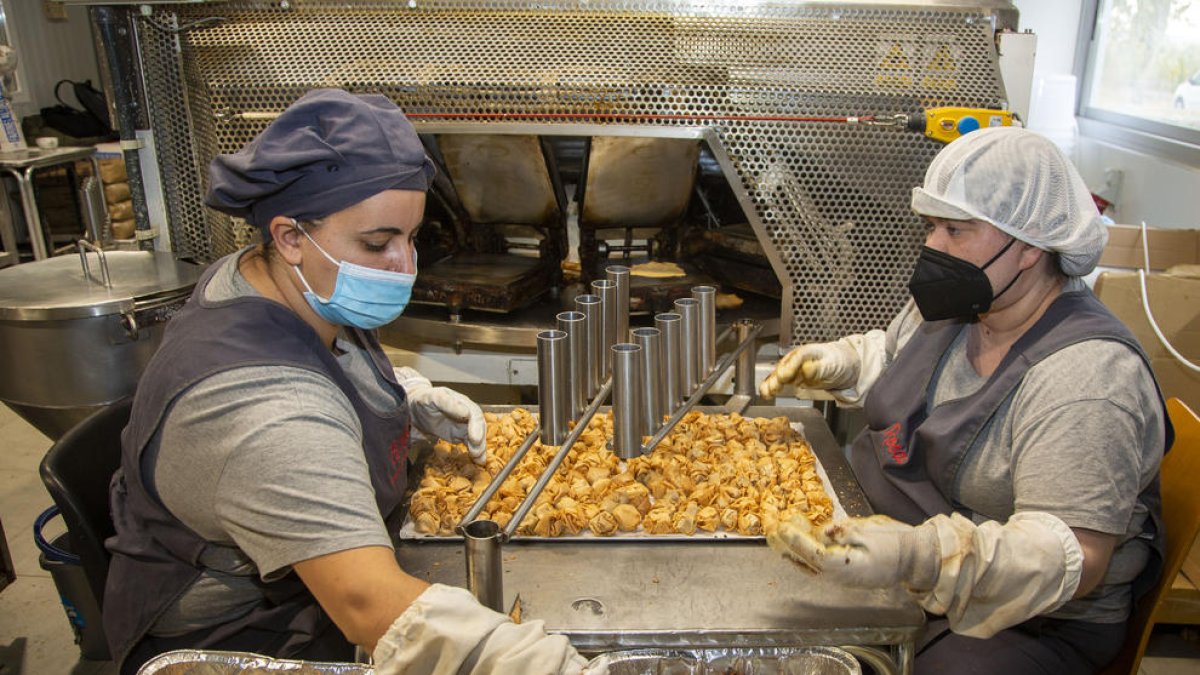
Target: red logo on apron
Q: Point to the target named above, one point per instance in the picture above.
(893, 444)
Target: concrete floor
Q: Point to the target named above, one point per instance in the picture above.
(36, 639)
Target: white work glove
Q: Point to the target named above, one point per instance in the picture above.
(444, 413)
(872, 552)
(446, 632)
(829, 365)
(984, 578)
(846, 368)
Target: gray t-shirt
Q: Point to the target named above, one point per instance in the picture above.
(267, 464)
(1079, 438)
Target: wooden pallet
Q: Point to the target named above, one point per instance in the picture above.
(1183, 602)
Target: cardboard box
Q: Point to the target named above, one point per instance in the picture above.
(1175, 303)
(1167, 247)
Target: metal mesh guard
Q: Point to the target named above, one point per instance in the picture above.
(831, 200)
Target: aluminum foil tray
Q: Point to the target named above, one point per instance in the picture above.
(776, 661)
(201, 662)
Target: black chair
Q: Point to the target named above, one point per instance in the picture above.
(76, 471)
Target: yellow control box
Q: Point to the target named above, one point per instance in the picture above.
(947, 124)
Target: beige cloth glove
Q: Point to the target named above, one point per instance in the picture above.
(447, 632)
(984, 578)
(444, 413)
(846, 368)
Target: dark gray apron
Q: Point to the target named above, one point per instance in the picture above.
(908, 457)
(156, 558)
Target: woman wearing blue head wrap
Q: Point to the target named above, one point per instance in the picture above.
(1014, 428)
(269, 437)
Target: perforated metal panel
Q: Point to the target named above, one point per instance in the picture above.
(830, 201)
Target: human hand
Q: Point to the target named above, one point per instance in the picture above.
(446, 630)
(829, 365)
(872, 552)
(444, 413)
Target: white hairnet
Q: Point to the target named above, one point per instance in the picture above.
(1021, 183)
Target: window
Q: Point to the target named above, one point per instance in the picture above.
(1142, 70)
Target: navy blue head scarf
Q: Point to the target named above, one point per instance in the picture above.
(328, 151)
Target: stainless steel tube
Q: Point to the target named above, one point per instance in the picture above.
(574, 325)
(650, 340)
(485, 577)
(619, 275)
(670, 324)
(607, 291)
(590, 306)
(553, 397)
(707, 343)
(627, 407)
(557, 460)
(743, 373)
(689, 344)
(703, 388)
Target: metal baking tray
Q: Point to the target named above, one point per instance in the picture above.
(408, 531)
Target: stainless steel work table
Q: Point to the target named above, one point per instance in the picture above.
(613, 594)
(22, 164)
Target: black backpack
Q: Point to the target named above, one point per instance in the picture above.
(91, 122)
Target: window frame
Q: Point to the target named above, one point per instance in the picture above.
(1158, 139)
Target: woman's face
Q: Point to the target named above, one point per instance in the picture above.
(976, 242)
(378, 232)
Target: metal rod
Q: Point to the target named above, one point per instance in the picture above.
(557, 460)
(485, 578)
(573, 324)
(589, 305)
(607, 291)
(650, 340)
(627, 405)
(743, 373)
(708, 382)
(496, 482)
(553, 397)
(670, 324)
(706, 344)
(689, 344)
(85, 246)
(619, 275)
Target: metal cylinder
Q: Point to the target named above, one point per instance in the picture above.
(707, 346)
(589, 305)
(607, 291)
(649, 339)
(689, 344)
(574, 324)
(669, 325)
(553, 395)
(485, 578)
(619, 275)
(743, 373)
(627, 407)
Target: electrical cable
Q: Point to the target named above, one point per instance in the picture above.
(1146, 306)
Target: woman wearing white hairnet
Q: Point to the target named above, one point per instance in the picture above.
(269, 436)
(1014, 428)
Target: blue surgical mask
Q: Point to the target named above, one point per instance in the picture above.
(362, 297)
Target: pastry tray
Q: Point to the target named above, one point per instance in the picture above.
(408, 530)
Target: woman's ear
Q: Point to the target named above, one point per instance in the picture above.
(1031, 255)
(287, 235)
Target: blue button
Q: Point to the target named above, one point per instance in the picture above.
(967, 124)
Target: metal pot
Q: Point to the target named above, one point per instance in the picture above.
(75, 336)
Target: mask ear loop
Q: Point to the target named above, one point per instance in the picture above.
(296, 268)
(996, 257)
